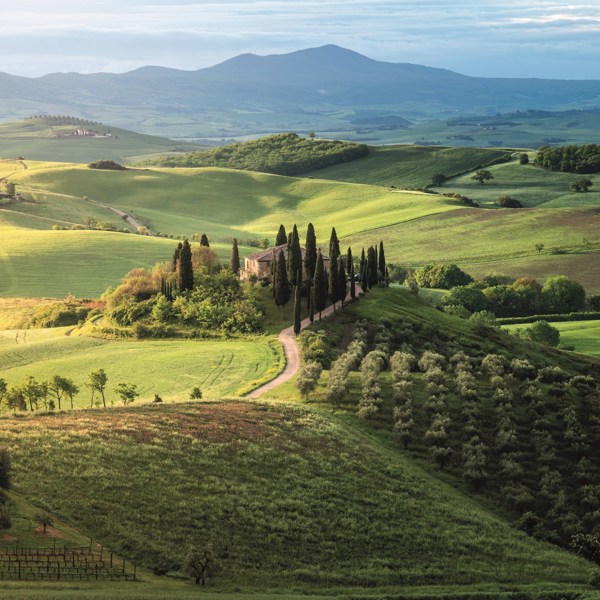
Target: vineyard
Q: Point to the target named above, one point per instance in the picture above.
(82, 563)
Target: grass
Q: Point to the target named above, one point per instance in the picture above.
(44, 139)
(409, 166)
(170, 368)
(304, 500)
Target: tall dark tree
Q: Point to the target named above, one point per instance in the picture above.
(332, 280)
(341, 282)
(361, 268)
(235, 258)
(282, 286)
(352, 282)
(185, 271)
(320, 286)
(297, 310)
(310, 256)
(349, 259)
(282, 237)
(372, 266)
(289, 240)
(334, 245)
(176, 255)
(295, 260)
(204, 241)
(381, 258)
(311, 303)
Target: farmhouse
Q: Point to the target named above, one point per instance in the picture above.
(259, 263)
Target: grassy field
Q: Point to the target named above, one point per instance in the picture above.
(302, 499)
(51, 138)
(170, 368)
(409, 166)
(533, 186)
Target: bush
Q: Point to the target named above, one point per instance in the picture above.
(543, 333)
(508, 202)
(442, 276)
(60, 314)
(109, 165)
(470, 298)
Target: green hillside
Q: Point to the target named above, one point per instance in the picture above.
(219, 368)
(51, 138)
(410, 166)
(298, 498)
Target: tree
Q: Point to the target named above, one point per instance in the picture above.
(199, 563)
(308, 377)
(524, 158)
(352, 279)
(282, 237)
(97, 381)
(297, 310)
(176, 256)
(320, 286)
(44, 520)
(334, 245)
(282, 286)
(204, 241)
(508, 202)
(185, 271)
(61, 386)
(482, 176)
(295, 259)
(562, 295)
(542, 332)
(127, 392)
(311, 303)
(310, 255)
(5, 469)
(235, 258)
(333, 281)
(341, 282)
(438, 179)
(372, 266)
(382, 266)
(34, 392)
(582, 185)
(196, 394)
(10, 189)
(3, 389)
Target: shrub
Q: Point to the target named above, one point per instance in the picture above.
(508, 202)
(543, 333)
(431, 360)
(60, 314)
(109, 165)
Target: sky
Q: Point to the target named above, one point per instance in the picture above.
(529, 38)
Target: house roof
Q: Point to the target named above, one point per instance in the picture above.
(267, 255)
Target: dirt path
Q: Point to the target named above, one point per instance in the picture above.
(127, 218)
(292, 350)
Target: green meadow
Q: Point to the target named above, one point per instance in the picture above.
(169, 368)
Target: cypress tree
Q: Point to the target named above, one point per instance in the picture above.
(334, 245)
(235, 258)
(289, 241)
(349, 259)
(320, 286)
(341, 282)
(382, 268)
(204, 240)
(282, 287)
(273, 272)
(310, 256)
(311, 304)
(372, 266)
(281, 236)
(352, 282)
(297, 309)
(176, 256)
(185, 271)
(295, 259)
(361, 268)
(332, 280)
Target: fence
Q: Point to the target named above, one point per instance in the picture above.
(63, 563)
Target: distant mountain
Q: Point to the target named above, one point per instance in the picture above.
(318, 88)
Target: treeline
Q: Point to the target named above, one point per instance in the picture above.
(281, 154)
(584, 159)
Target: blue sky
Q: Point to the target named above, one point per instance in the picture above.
(493, 38)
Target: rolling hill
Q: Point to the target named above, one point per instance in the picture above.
(326, 88)
(53, 138)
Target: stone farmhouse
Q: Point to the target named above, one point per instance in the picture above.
(258, 264)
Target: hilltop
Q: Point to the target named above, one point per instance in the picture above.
(69, 139)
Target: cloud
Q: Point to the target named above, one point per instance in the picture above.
(473, 37)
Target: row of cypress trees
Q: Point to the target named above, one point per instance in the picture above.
(321, 283)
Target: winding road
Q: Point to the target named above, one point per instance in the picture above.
(292, 350)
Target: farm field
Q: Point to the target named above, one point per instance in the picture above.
(303, 494)
(170, 368)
